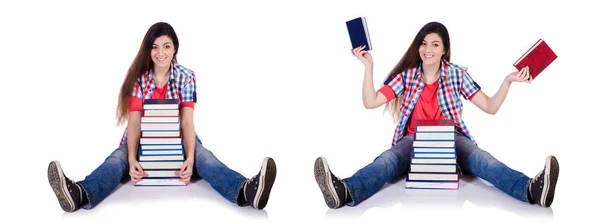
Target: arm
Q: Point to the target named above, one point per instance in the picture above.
(188, 132)
(189, 143)
(492, 105)
(133, 135)
(133, 138)
(371, 98)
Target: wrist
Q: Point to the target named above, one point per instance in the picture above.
(189, 159)
(131, 160)
(507, 80)
(369, 67)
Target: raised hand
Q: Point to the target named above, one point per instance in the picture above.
(520, 76)
(363, 55)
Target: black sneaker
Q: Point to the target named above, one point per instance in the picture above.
(258, 188)
(69, 194)
(541, 188)
(333, 189)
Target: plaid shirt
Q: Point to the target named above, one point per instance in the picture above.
(181, 85)
(454, 82)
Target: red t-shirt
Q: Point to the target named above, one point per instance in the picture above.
(426, 108)
(135, 104)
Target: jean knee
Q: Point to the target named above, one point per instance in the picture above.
(119, 156)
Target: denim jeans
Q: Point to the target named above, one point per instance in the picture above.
(106, 177)
(395, 161)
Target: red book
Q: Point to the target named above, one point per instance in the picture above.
(538, 57)
(446, 122)
(435, 126)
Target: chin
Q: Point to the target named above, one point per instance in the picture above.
(162, 64)
(430, 62)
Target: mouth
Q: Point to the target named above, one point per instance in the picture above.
(428, 56)
(161, 59)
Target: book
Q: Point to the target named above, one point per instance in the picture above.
(161, 112)
(433, 162)
(432, 184)
(436, 168)
(159, 104)
(434, 126)
(157, 165)
(161, 151)
(151, 119)
(538, 57)
(447, 135)
(161, 181)
(414, 176)
(160, 141)
(359, 33)
(433, 143)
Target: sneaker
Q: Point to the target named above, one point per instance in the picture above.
(258, 188)
(541, 188)
(333, 189)
(69, 194)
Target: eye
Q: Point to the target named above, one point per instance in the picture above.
(168, 46)
(154, 47)
(436, 45)
(423, 44)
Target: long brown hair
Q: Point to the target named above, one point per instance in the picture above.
(412, 59)
(141, 64)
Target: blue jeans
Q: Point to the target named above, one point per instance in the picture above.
(395, 161)
(105, 178)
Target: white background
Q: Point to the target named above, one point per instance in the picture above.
(278, 79)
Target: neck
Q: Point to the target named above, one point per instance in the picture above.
(431, 70)
(431, 73)
(161, 72)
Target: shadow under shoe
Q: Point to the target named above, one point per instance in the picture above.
(542, 186)
(258, 188)
(333, 189)
(68, 193)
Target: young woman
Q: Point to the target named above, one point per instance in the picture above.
(155, 74)
(424, 85)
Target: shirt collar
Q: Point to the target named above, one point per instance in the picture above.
(171, 73)
(443, 69)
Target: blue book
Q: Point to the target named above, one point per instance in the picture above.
(359, 33)
(161, 104)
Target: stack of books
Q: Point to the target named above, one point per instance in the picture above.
(433, 164)
(161, 149)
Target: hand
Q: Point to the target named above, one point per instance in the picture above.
(186, 171)
(136, 172)
(519, 76)
(363, 55)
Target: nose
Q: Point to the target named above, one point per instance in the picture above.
(428, 48)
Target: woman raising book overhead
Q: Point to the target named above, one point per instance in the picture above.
(424, 85)
(155, 74)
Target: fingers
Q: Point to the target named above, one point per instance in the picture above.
(528, 77)
(523, 75)
(357, 51)
(185, 173)
(136, 173)
(186, 181)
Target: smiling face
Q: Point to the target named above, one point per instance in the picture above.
(431, 49)
(162, 52)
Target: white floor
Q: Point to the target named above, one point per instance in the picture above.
(474, 200)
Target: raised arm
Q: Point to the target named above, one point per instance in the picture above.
(493, 104)
(371, 98)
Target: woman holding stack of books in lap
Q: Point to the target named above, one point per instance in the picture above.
(424, 85)
(155, 74)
